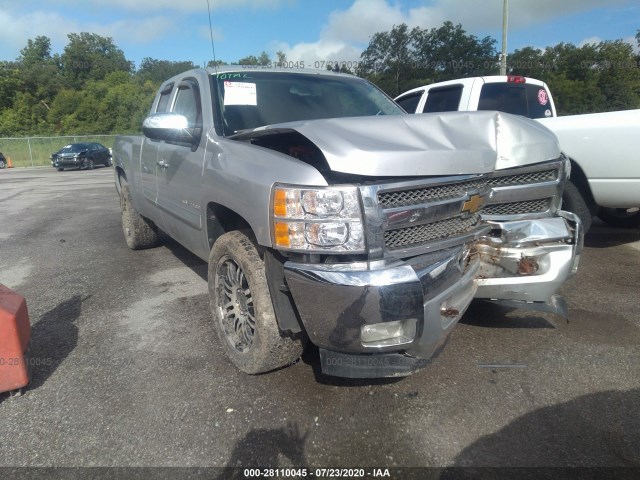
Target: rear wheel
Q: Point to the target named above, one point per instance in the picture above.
(2, 163)
(242, 310)
(139, 232)
(573, 201)
(620, 217)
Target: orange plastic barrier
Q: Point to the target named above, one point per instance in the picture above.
(15, 333)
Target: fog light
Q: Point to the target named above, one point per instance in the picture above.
(388, 333)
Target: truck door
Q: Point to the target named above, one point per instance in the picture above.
(149, 155)
(180, 171)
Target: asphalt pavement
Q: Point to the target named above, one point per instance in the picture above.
(127, 370)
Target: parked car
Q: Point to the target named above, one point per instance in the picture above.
(602, 147)
(81, 155)
(3, 161)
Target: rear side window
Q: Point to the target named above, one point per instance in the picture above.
(520, 99)
(410, 102)
(443, 99)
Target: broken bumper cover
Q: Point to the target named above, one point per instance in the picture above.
(383, 319)
(527, 261)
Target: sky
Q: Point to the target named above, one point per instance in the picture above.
(311, 31)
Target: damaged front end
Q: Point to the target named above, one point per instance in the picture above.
(533, 246)
(433, 247)
(380, 268)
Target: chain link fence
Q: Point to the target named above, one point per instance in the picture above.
(35, 151)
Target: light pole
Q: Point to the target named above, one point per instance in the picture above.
(505, 27)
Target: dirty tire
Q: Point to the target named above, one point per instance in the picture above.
(573, 201)
(139, 232)
(90, 164)
(242, 310)
(619, 217)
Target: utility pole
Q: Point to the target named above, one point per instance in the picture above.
(505, 27)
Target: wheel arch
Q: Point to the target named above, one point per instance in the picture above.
(221, 220)
(121, 175)
(580, 180)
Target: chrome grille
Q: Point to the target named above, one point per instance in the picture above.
(524, 178)
(407, 237)
(518, 208)
(416, 196)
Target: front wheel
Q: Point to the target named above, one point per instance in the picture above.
(620, 217)
(573, 201)
(242, 310)
(89, 163)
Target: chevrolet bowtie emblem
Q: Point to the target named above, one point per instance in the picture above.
(473, 204)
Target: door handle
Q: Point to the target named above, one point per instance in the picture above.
(162, 163)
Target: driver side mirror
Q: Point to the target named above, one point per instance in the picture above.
(171, 127)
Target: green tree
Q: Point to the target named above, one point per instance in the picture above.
(263, 60)
(448, 52)
(39, 71)
(10, 84)
(157, 71)
(89, 56)
(388, 59)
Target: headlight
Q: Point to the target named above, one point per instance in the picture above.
(317, 219)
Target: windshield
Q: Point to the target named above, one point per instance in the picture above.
(254, 99)
(75, 148)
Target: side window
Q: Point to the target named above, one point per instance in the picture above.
(163, 102)
(443, 99)
(187, 102)
(410, 102)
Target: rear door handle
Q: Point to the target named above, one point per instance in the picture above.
(162, 163)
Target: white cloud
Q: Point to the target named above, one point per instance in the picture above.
(16, 30)
(590, 41)
(348, 31)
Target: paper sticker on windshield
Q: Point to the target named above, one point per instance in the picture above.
(240, 93)
(543, 98)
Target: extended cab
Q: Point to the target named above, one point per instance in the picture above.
(602, 147)
(327, 214)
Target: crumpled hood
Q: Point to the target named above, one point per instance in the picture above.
(428, 144)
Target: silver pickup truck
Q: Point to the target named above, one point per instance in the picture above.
(326, 214)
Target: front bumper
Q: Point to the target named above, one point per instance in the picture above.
(335, 302)
(522, 262)
(67, 162)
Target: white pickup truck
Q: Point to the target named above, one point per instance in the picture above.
(603, 147)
